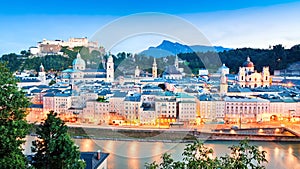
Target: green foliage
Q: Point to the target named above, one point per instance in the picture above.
(52, 82)
(276, 58)
(244, 156)
(25, 53)
(71, 53)
(54, 147)
(101, 99)
(197, 156)
(54, 62)
(162, 86)
(13, 61)
(13, 126)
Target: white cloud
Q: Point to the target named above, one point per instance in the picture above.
(251, 27)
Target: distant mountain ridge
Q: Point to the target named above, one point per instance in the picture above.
(167, 48)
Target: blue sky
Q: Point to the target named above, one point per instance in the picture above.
(230, 23)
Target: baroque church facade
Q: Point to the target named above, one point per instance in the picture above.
(173, 71)
(79, 73)
(249, 77)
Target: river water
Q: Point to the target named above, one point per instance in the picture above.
(134, 154)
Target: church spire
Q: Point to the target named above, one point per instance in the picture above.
(42, 69)
(248, 59)
(176, 64)
(154, 69)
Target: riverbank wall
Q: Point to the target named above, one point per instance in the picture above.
(180, 135)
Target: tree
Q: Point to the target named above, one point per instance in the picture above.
(244, 156)
(197, 156)
(52, 82)
(162, 86)
(54, 147)
(13, 63)
(13, 126)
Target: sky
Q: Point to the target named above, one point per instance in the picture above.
(227, 23)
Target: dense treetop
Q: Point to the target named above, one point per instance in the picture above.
(13, 125)
(276, 58)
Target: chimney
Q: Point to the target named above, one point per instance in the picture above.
(98, 154)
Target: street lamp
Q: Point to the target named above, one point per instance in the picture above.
(240, 119)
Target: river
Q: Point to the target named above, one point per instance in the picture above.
(134, 154)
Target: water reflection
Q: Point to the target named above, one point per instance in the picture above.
(134, 154)
(156, 151)
(87, 145)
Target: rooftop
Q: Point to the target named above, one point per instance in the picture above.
(183, 95)
(91, 160)
(243, 99)
(94, 70)
(133, 98)
(119, 94)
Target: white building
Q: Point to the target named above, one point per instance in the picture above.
(96, 112)
(165, 106)
(116, 103)
(147, 114)
(186, 107)
(211, 108)
(58, 102)
(203, 72)
(132, 107)
(54, 46)
(223, 70)
(248, 77)
(79, 73)
(245, 109)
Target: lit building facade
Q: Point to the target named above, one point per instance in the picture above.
(186, 107)
(248, 77)
(210, 108)
(245, 109)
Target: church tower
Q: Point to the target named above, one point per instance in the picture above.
(137, 72)
(42, 74)
(265, 77)
(154, 69)
(223, 84)
(110, 69)
(176, 64)
(242, 77)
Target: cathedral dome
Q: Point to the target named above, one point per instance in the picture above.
(248, 63)
(78, 63)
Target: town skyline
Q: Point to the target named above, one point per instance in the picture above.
(233, 26)
(126, 84)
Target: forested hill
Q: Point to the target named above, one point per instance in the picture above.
(276, 58)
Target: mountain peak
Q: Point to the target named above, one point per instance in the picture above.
(167, 48)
